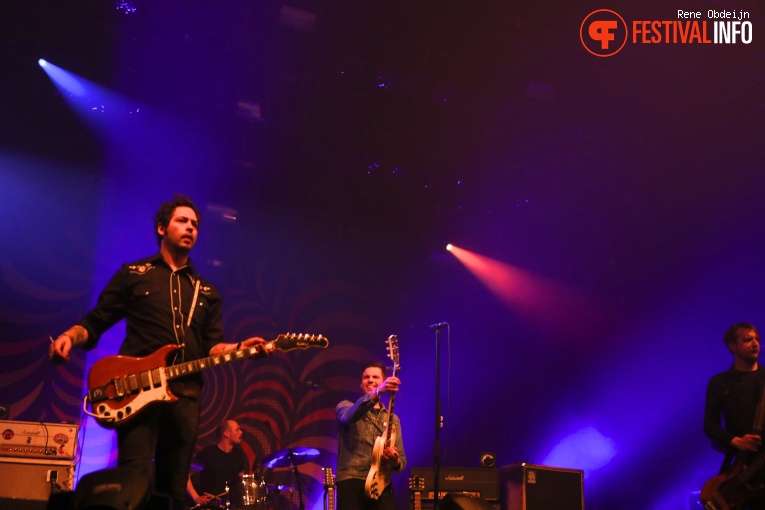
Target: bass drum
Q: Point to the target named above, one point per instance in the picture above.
(251, 494)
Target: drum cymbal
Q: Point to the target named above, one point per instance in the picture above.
(290, 457)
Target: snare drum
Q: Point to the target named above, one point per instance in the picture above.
(253, 492)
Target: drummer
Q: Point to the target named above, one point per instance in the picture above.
(222, 462)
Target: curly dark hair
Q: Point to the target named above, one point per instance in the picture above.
(167, 209)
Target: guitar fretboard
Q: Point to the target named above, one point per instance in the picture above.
(191, 367)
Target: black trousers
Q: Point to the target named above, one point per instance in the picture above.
(161, 443)
(351, 496)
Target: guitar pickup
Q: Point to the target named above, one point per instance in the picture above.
(145, 382)
(132, 383)
(156, 377)
(119, 387)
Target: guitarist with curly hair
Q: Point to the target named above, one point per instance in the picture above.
(165, 304)
(733, 419)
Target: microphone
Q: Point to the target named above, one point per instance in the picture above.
(439, 325)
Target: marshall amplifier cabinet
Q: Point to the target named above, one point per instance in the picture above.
(38, 440)
(482, 483)
(532, 487)
(37, 459)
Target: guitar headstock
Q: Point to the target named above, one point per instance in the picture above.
(329, 478)
(290, 341)
(393, 352)
(416, 483)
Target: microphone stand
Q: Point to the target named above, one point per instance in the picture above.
(437, 444)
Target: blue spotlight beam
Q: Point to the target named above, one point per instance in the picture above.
(66, 82)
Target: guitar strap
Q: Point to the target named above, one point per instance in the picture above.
(192, 307)
(180, 387)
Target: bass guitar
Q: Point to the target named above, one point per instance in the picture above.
(732, 489)
(380, 474)
(120, 387)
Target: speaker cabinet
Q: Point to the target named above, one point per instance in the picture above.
(454, 501)
(533, 487)
(27, 485)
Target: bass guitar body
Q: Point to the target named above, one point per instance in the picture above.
(725, 492)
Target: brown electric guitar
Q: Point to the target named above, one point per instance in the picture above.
(732, 489)
(380, 475)
(416, 487)
(119, 387)
(329, 487)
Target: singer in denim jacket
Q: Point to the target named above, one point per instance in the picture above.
(359, 424)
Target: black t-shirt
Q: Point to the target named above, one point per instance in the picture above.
(219, 467)
(731, 404)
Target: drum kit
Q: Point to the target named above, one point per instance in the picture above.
(252, 492)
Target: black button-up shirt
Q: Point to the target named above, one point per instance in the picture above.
(155, 302)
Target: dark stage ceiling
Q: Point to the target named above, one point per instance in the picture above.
(412, 113)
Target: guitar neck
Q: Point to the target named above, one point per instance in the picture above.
(197, 365)
(759, 417)
(753, 467)
(416, 486)
(285, 342)
(393, 355)
(390, 411)
(329, 484)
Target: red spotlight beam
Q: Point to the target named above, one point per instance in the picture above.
(549, 305)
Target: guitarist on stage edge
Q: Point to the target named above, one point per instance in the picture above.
(163, 301)
(732, 398)
(359, 424)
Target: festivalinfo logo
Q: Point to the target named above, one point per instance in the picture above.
(604, 32)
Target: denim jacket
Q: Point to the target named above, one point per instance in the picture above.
(358, 425)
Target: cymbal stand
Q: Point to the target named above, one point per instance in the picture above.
(296, 481)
